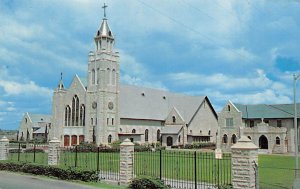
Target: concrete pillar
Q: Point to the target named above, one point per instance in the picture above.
(126, 161)
(244, 158)
(53, 155)
(4, 144)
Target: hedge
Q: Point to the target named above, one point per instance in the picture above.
(61, 173)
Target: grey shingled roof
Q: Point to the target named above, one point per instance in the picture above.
(145, 103)
(171, 129)
(36, 118)
(267, 111)
(40, 130)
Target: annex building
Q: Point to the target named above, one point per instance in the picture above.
(270, 127)
(98, 108)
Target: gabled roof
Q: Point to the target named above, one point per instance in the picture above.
(267, 111)
(145, 103)
(171, 129)
(37, 118)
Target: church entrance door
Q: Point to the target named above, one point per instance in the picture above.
(66, 140)
(263, 142)
(169, 141)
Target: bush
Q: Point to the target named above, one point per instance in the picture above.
(147, 183)
(199, 145)
(61, 173)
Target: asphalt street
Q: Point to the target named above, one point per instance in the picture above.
(10, 180)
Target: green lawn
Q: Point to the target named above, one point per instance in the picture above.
(275, 171)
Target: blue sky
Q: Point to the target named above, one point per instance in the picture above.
(243, 51)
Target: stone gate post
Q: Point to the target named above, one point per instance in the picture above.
(53, 154)
(126, 161)
(4, 144)
(244, 158)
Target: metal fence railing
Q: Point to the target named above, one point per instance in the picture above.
(185, 169)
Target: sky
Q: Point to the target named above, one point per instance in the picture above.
(244, 51)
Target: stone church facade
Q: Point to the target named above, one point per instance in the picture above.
(101, 110)
(270, 127)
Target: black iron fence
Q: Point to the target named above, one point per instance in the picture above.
(185, 169)
(105, 161)
(22, 152)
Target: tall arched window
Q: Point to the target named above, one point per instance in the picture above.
(98, 75)
(158, 135)
(75, 110)
(108, 76)
(113, 77)
(225, 139)
(146, 135)
(109, 139)
(233, 139)
(67, 115)
(82, 115)
(93, 76)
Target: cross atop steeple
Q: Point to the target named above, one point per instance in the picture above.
(104, 8)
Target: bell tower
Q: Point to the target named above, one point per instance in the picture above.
(103, 87)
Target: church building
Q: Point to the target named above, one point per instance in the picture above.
(99, 109)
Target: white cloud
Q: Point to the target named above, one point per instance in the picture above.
(219, 80)
(30, 88)
(240, 55)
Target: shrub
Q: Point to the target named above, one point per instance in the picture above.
(147, 183)
(61, 173)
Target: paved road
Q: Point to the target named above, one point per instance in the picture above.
(17, 181)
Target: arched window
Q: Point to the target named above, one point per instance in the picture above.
(75, 110)
(179, 138)
(174, 119)
(98, 75)
(67, 115)
(133, 131)
(82, 115)
(108, 76)
(225, 139)
(146, 135)
(158, 135)
(277, 140)
(233, 139)
(109, 139)
(93, 76)
(228, 108)
(113, 77)
(209, 133)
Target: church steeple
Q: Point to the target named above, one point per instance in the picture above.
(104, 38)
(60, 84)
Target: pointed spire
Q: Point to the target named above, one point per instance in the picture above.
(61, 84)
(104, 38)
